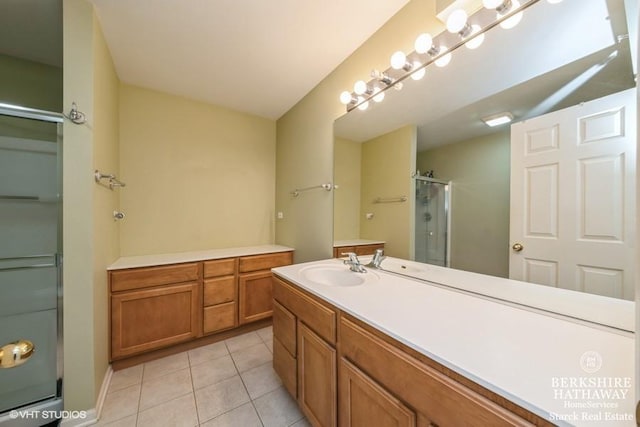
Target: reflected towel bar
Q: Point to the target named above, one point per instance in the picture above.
(297, 191)
(398, 199)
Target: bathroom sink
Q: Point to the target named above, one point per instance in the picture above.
(336, 275)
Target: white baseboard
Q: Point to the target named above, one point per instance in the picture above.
(93, 414)
(103, 390)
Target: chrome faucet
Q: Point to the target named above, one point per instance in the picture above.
(354, 263)
(377, 259)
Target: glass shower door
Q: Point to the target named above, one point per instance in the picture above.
(30, 242)
(432, 221)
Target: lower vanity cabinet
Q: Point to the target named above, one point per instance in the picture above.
(150, 310)
(304, 355)
(255, 286)
(437, 399)
(344, 372)
(155, 307)
(363, 402)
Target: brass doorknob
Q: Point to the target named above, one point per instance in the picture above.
(15, 353)
(517, 247)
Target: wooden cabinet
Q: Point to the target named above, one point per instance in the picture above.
(363, 402)
(358, 249)
(316, 378)
(304, 356)
(255, 285)
(379, 381)
(147, 319)
(155, 307)
(220, 295)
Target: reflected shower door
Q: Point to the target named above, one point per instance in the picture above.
(432, 221)
(30, 213)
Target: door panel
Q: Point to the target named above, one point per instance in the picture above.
(573, 197)
(36, 378)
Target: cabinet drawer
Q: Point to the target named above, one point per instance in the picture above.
(284, 327)
(219, 290)
(220, 267)
(314, 314)
(218, 317)
(265, 262)
(367, 249)
(136, 278)
(285, 366)
(411, 380)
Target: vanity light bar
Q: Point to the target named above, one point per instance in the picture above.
(462, 31)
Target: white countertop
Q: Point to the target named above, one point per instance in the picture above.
(175, 258)
(356, 242)
(526, 356)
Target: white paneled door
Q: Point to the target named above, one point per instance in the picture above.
(573, 197)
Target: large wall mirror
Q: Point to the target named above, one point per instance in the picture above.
(422, 172)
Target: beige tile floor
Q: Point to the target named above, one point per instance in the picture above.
(227, 384)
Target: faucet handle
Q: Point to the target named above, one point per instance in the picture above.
(353, 257)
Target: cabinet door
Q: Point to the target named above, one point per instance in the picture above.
(365, 403)
(316, 378)
(148, 319)
(256, 296)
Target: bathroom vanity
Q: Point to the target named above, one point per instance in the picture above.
(160, 301)
(381, 349)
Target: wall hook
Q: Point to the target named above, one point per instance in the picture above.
(76, 116)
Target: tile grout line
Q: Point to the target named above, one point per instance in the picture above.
(193, 389)
(245, 386)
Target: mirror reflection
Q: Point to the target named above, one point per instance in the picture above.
(548, 198)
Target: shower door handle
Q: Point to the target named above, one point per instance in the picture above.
(15, 353)
(517, 247)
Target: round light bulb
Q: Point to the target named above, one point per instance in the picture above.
(515, 19)
(492, 4)
(364, 105)
(417, 75)
(476, 41)
(423, 43)
(378, 97)
(345, 97)
(398, 60)
(444, 60)
(456, 21)
(360, 87)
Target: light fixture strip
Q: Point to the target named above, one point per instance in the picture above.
(482, 15)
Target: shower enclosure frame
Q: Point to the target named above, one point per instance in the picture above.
(53, 403)
(448, 186)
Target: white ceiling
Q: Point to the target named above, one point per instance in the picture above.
(256, 56)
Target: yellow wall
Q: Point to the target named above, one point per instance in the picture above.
(90, 241)
(198, 176)
(387, 163)
(479, 169)
(346, 199)
(305, 134)
(79, 380)
(106, 235)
